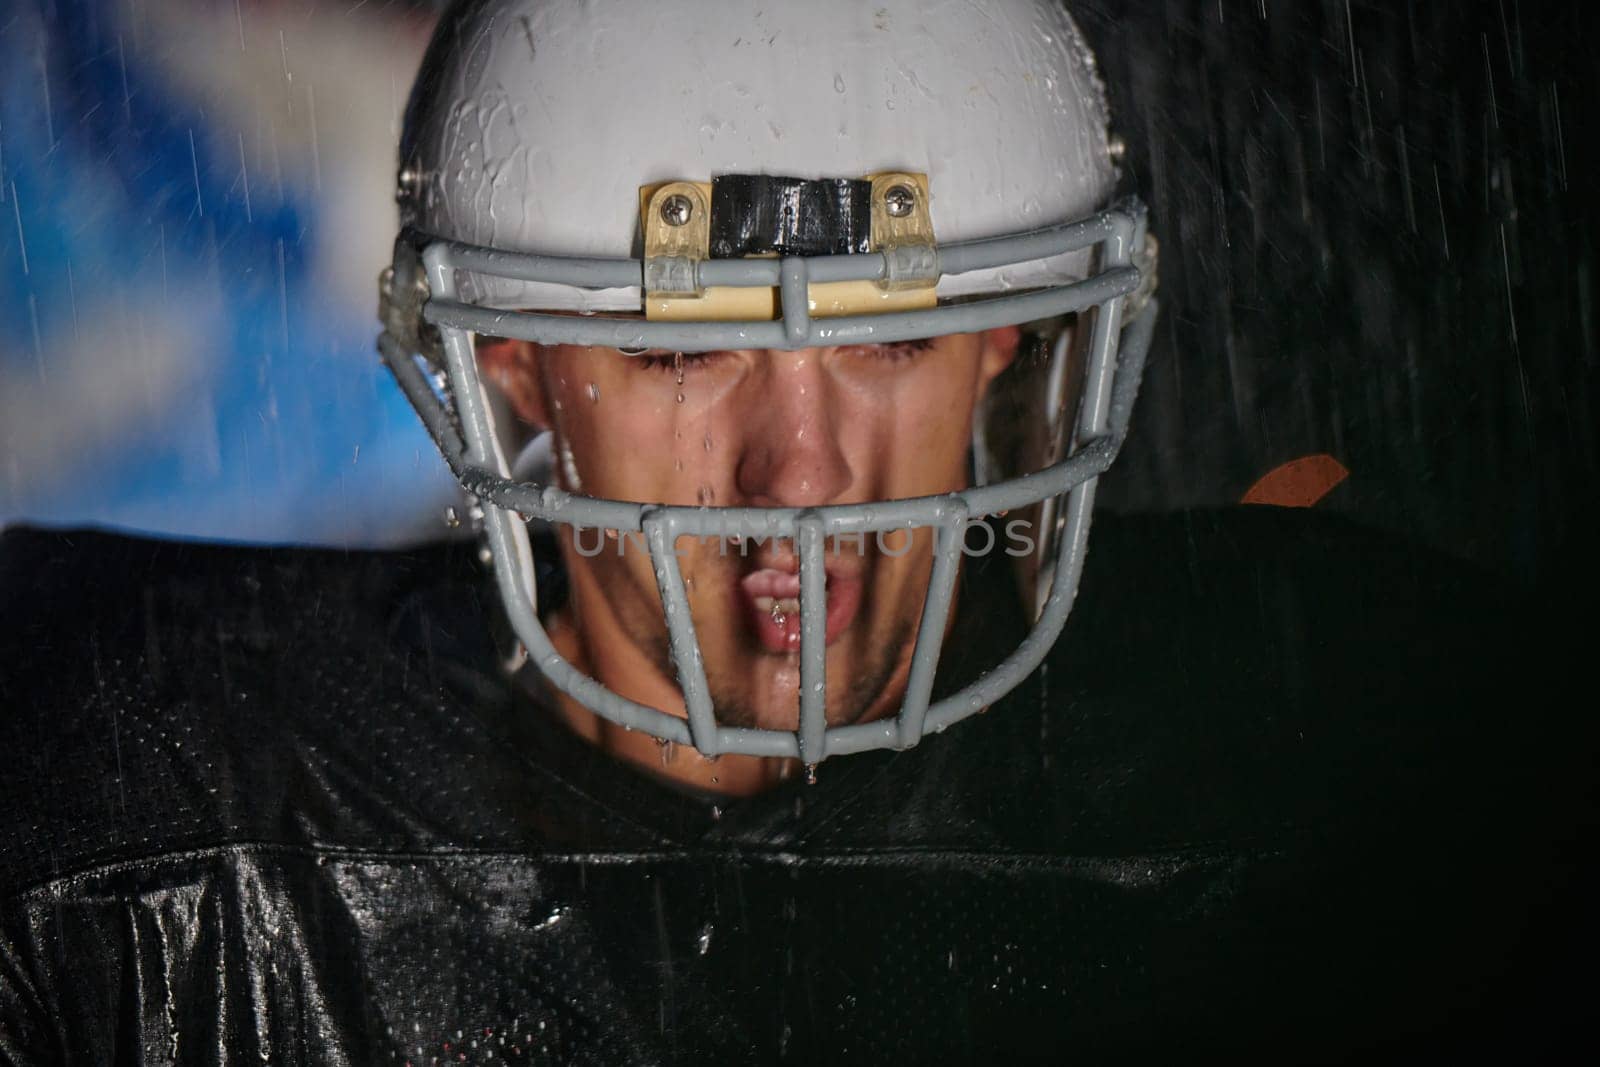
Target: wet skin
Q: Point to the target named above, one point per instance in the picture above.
(748, 428)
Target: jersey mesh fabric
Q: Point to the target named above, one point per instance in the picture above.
(1265, 794)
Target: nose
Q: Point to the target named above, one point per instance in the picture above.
(791, 455)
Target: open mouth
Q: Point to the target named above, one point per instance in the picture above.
(770, 599)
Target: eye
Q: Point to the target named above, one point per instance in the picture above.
(670, 362)
(894, 351)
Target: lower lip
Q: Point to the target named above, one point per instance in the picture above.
(781, 633)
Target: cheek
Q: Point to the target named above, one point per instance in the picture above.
(915, 428)
(631, 437)
(583, 406)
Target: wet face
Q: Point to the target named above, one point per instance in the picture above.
(765, 429)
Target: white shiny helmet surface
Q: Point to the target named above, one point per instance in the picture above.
(554, 155)
(535, 122)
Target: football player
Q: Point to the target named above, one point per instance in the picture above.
(845, 223)
(779, 348)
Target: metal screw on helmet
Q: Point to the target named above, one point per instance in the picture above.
(407, 182)
(676, 210)
(900, 200)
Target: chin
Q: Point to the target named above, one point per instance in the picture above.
(753, 687)
(776, 705)
(757, 690)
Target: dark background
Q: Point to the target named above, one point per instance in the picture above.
(1377, 225)
(1379, 242)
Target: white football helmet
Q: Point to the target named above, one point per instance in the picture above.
(718, 174)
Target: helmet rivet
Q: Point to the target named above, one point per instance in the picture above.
(409, 182)
(899, 199)
(676, 210)
(1116, 148)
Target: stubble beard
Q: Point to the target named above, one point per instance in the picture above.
(846, 706)
(879, 664)
(735, 705)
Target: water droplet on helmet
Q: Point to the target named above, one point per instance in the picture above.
(594, 393)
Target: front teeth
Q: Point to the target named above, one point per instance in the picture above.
(778, 608)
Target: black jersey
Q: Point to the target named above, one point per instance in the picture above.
(1281, 786)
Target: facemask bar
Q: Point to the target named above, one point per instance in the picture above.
(463, 428)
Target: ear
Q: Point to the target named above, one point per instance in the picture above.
(999, 351)
(514, 367)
